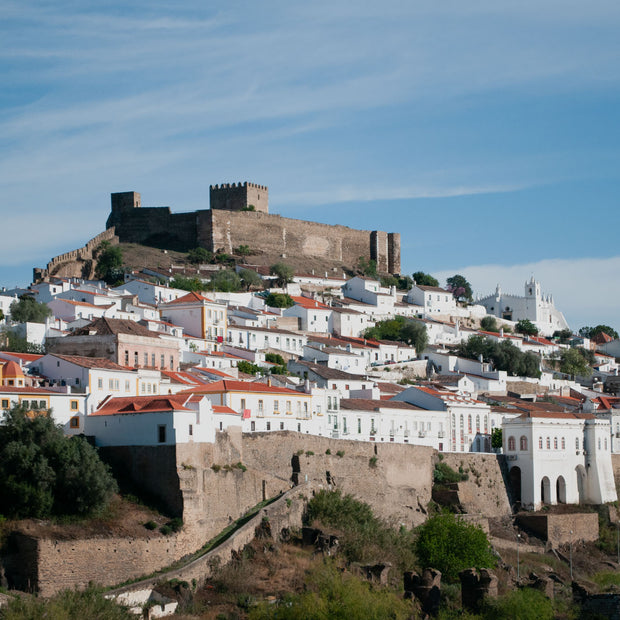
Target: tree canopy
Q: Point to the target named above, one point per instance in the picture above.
(526, 327)
(400, 329)
(27, 310)
(367, 267)
(590, 332)
(284, 273)
(460, 287)
(197, 256)
(226, 281)
(425, 279)
(451, 545)
(489, 324)
(503, 355)
(250, 278)
(44, 473)
(187, 284)
(279, 300)
(109, 263)
(576, 361)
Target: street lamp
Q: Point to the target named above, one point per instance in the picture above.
(571, 555)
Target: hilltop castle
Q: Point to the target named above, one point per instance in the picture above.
(239, 215)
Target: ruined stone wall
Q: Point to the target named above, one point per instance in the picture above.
(76, 263)
(485, 491)
(557, 528)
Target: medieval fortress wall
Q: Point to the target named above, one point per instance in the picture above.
(239, 215)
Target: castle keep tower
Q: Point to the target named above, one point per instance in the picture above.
(239, 197)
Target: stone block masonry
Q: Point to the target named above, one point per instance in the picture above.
(228, 225)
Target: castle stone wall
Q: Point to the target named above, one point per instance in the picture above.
(239, 196)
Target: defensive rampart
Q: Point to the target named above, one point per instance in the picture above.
(76, 263)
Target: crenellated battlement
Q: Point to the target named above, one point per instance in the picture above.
(233, 185)
(239, 197)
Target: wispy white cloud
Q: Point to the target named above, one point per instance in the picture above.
(586, 290)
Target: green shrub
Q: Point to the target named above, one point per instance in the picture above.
(216, 468)
(166, 530)
(363, 536)
(523, 604)
(340, 453)
(150, 525)
(89, 603)
(176, 524)
(330, 593)
(328, 451)
(241, 466)
(309, 453)
(444, 474)
(451, 545)
(372, 462)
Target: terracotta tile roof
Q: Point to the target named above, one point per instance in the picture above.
(230, 385)
(7, 389)
(602, 338)
(91, 362)
(557, 415)
(105, 326)
(25, 357)
(306, 302)
(184, 378)
(368, 404)
(11, 370)
(433, 289)
(222, 409)
(192, 297)
(331, 373)
(142, 404)
(72, 302)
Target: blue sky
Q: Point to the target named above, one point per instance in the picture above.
(484, 132)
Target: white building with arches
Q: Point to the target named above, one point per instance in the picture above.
(559, 458)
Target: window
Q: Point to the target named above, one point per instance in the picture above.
(135, 359)
(469, 423)
(162, 361)
(477, 424)
(74, 422)
(100, 383)
(127, 386)
(276, 406)
(110, 384)
(359, 425)
(268, 426)
(511, 443)
(577, 443)
(161, 433)
(171, 362)
(260, 406)
(523, 443)
(126, 358)
(252, 425)
(146, 359)
(5, 403)
(555, 443)
(540, 443)
(563, 443)
(74, 405)
(305, 407)
(153, 360)
(281, 426)
(42, 404)
(548, 443)
(243, 403)
(288, 407)
(191, 430)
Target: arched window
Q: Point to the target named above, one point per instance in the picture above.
(523, 443)
(540, 443)
(486, 423)
(576, 443)
(563, 443)
(453, 422)
(548, 443)
(599, 443)
(469, 423)
(511, 443)
(477, 423)
(555, 443)
(462, 425)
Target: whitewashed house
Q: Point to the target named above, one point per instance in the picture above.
(433, 300)
(559, 458)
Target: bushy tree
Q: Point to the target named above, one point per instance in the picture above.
(248, 368)
(400, 329)
(279, 300)
(425, 279)
(226, 281)
(275, 358)
(388, 281)
(489, 324)
(44, 473)
(504, 355)
(198, 256)
(243, 250)
(526, 327)
(11, 341)
(451, 545)
(563, 335)
(284, 273)
(109, 263)
(590, 332)
(28, 310)
(496, 438)
(459, 287)
(404, 283)
(250, 278)
(187, 284)
(575, 362)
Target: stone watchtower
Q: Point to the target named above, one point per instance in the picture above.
(122, 202)
(239, 197)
